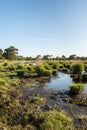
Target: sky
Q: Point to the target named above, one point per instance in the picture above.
(54, 27)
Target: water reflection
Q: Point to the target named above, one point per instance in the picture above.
(60, 83)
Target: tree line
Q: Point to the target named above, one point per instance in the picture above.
(11, 53)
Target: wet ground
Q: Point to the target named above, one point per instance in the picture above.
(57, 96)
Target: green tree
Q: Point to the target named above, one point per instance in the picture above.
(11, 53)
(38, 57)
(63, 57)
(47, 57)
(72, 57)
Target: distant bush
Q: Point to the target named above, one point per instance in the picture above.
(77, 68)
(76, 88)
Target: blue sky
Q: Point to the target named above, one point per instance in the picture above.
(57, 27)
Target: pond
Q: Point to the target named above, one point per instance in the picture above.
(61, 82)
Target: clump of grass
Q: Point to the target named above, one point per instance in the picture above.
(76, 88)
(42, 71)
(22, 70)
(30, 68)
(77, 68)
(52, 120)
(21, 73)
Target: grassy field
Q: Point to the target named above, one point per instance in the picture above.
(22, 113)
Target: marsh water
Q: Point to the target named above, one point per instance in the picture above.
(56, 92)
(58, 83)
(61, 82)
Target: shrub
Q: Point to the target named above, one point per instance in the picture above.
(77, 68)
(76, 88)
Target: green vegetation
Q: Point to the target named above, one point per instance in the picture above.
(76, 88)
(11, 53)
(20, 112)
(42, 71)
(52, 120)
